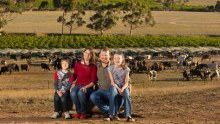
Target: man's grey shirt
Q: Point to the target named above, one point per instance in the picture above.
(103, 76)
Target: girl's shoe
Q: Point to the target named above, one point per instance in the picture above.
(130, 119)
(83, 116)
(77, 116)
(114, 118)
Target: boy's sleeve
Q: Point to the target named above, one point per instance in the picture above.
(56, 81)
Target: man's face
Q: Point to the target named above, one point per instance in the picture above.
(104, 56)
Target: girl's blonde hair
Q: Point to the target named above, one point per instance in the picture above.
(92, 54)
(123, 64)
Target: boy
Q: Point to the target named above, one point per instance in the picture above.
(62, 83)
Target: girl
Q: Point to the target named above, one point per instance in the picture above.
(62, 83)
(85, 74)
(119, 76)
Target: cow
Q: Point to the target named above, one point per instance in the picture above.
(201, 66)
(196, 73)
(215, 74)
(186, 75)
(5, 69)
(206, 74)
(152, 75)
(24, 67)
(3, 62)
(13, 56)
(14, 67)
(166, 64)
(206, 56)
(25, 56)
(45, 67)
(57, 63)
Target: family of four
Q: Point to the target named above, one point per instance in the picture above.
(113, 92)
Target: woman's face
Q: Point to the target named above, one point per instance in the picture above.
(86, 55)
(117, 60)
(65, 65)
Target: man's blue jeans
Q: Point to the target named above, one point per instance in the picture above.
(113, 110)
(101, 98)
(80, 99)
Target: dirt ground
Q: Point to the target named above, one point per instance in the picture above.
(27, 97)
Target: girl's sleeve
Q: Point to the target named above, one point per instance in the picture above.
(94, 74)
(56, 81)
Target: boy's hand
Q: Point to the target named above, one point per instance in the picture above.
(59, 93)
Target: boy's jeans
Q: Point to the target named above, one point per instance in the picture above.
(61, 100)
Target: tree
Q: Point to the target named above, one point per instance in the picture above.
(217, 6)
(104, 18)
(76, 16)
(67, 6)
(7, 8)
(136, 15)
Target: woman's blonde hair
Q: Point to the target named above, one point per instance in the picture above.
(123, 64)
(92, 54)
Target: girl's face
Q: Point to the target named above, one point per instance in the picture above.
(118, 59)
(65, 65)
(86, 55)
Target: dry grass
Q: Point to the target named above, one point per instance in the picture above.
(25, 98)
(168, 23)
(202, 2)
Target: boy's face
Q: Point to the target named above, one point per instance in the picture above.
(65, 65)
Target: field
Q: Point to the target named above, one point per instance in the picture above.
(27, 97)
(167, 23)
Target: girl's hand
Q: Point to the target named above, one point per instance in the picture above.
(59, 93)
(83, 89)
(120, 91)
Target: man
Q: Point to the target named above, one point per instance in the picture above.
(100, 98)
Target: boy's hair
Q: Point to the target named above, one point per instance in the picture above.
(123, 64)
(66, 59)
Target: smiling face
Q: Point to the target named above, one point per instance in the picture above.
(65, 65)
(87, 55)
(118, 59)
(104, 56)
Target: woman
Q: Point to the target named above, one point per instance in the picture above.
(85, 75)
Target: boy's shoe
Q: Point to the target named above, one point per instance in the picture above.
(83, 116)
(114, 118)
(55, 115)
(130, 119)
(67, 115)
(77, 116)
(106, 117)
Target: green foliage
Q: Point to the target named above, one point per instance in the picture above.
(46, 42)
(104, 18)
(136, 14)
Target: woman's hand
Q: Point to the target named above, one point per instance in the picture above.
(83, 89)
(59, 93)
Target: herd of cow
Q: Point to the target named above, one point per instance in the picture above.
(139, 63)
